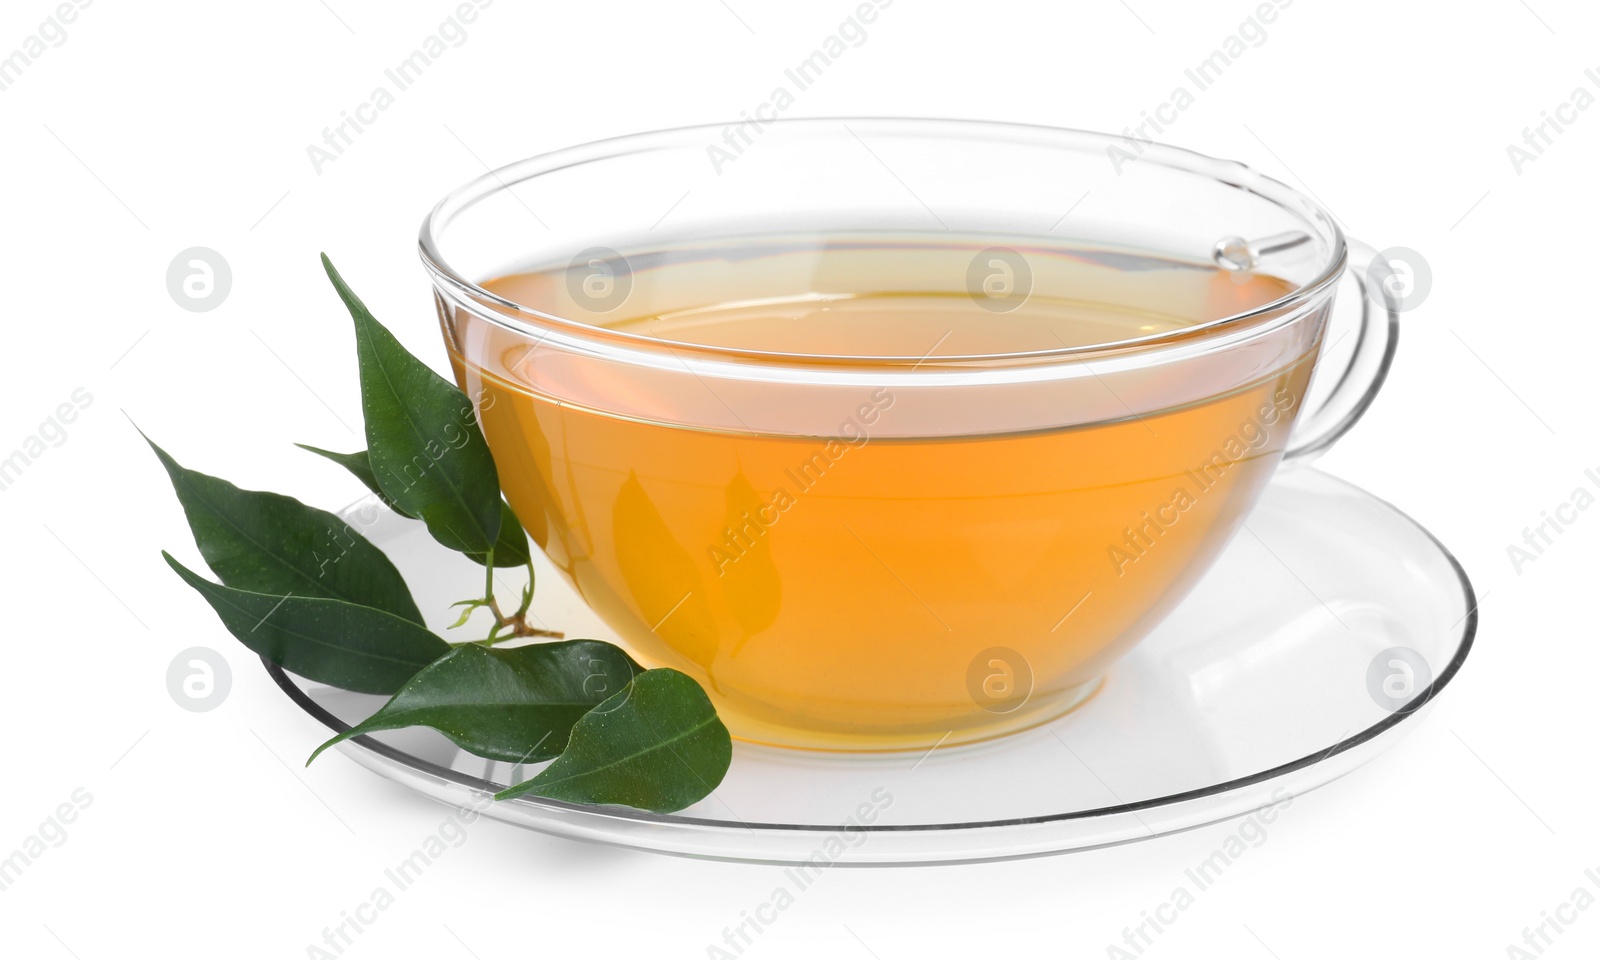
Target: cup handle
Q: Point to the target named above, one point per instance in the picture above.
(1371, 322)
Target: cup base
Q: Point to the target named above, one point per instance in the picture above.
(1033, 713)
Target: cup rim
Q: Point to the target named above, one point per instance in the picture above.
(536, 323)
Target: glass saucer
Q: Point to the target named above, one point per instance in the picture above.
(1273, 677)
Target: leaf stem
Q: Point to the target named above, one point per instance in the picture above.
(517, 623)
(527, 592)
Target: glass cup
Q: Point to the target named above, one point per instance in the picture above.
(858, 533)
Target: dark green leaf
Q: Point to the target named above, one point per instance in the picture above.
(359, 465)
(330, 641)
(516, 704)
(426, 450)
(510, 550)
(656, 745)
(272, 544)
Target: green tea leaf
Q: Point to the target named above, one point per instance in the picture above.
(511, 546)
(510, 549)
(330, 641)
(514, 704)
(272, 544)
(656, 745)
(423, 441)
(359, 465)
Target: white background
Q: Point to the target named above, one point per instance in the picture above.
(157, 127)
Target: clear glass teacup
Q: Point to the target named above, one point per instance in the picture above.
(894, 433)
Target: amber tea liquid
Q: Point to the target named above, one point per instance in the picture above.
(875, 584)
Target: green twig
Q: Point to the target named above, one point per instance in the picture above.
(517, 623)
